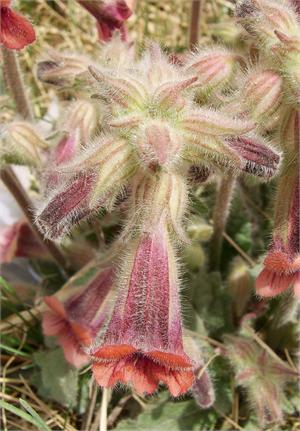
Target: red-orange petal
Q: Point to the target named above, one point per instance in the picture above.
(82, 334)
(114, 352)
(167, 359)
(16, 31)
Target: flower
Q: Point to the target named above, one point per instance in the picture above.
(110, 16)
(76, 321)
(18, 240)
(16, 32)
(143, 343)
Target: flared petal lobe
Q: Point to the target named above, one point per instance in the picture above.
(16, 32)
(76, 321)
(143, 344)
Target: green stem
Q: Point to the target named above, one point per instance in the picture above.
(220, 216)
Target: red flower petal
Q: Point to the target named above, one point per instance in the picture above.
(16, 31)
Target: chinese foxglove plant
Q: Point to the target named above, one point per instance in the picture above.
(154, 133)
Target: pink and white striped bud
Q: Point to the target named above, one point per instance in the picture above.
(93, 180)
(158, 145)
(262, 93)
(84, 116)
(143, 344)
(76, 319)
(262, 376)
(22, 144)
(214, 68)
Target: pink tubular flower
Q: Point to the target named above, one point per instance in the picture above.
(18, 240)
(76, 321)
(282, 263)
(110, 16)
(143, 343)
(16, 32)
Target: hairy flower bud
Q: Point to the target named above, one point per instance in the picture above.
(62, 69)
(262, 94)
(214, 67)
(22, 144)
(82, 115)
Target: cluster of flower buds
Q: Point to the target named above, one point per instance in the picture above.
(263, 377)
(21, 143)
(271, 97)
(152, 137)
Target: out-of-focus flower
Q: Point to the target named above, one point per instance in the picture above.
(110, 15)
(22, 144)
(240, 286)
(76, 320)
(18, 240)
(16, 32)
(143, 343)
(262, 376)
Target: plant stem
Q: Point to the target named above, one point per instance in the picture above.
(14, 186)
(15, 84)
(220, 215)
(103, 410)
(194, 24)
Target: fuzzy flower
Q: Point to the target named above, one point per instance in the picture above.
(18, 240)
(153, 125)
(282, 263)
(110, 16)
(16, 32)
(262, 376)
(143, 343)
(76, 320)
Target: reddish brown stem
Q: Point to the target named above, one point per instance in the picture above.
(220, 215)
(14, 81)
(194, 23)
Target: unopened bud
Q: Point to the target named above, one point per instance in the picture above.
(83, 115)
(240, 286)
(198, 229)
(262, 93)
(214, 68)
(62, 69)
(22, 144)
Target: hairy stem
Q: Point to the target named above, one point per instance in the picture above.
(15, 84)
(14, 81)
(220, 215)
(194, 23)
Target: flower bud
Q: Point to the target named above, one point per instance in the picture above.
(83, 116)
(214, 68)
(240, 286)
(21, 144)
(62, 69)
(198, 229)
(262, 376)
(262, 94)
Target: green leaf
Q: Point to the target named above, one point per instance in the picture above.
(172, 415)
(32, 418)
(55, 378)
